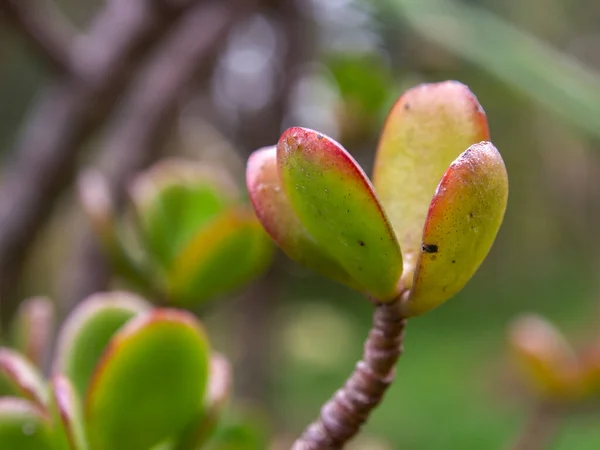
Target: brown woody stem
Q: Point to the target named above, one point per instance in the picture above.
(541, 427)
(343, 415)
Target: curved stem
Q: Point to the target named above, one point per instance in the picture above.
(541, 428)
(343, 415)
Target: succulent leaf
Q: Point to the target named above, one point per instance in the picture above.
(225, 253)
(336, 203)
(462, 223)
(428, 127)
(67, 409)
(24, 426)
(216, 398)
(149, 383)
(273, 209)
(88, 330)
(173, 200)
(544, 356)
(20, 378)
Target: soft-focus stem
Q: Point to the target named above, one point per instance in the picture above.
(541, 427)
(343, 415)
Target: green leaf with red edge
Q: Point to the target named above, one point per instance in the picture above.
(173, 200)
(227, 252)
(24, 426)
(19, 377)
(462, 223)
(150, 382)
(88, 330)
(428, 127)
(545, 358)
(219, 389)
(336, 203)
(34, 328)
(66, 409)
(273, 209)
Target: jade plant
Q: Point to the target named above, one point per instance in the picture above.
(562, 380)
(548, 363)
(185, 234)
(125, 376)
(409, 240)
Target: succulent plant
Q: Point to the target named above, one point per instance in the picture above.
(549, 364)
(424, 225)
(185, 234)
(410, 240)
(125, 376)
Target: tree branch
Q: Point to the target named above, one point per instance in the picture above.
(140, 129)
(42, 31)
(67, 113)
(343, 415)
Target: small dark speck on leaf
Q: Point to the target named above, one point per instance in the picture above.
(471, 214)
(319, 136)
(430, 248)
(453, 261)
(361, 243)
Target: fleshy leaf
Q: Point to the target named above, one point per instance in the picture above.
(67, 409)
(87, 331)
(24, 426)
(225, 253)
(19, 377)
(428, 128)
(279, 219)
(173, 200)
(33, 329)
(544, 357)
(336, 203)
(149, 383)
(462, 223)
(217, 396)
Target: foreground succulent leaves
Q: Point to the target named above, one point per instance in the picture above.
(24, 426)
(428, 127)
(227, 252)
(337, 205)
(544, 356)
(88, 330)
(173, 200)
(18, 377)
(33, 329)
(462, 223)
(149, 383)
(280, 221)
(66, 408)
(219, 389)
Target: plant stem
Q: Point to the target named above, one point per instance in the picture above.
(343, 415)
(541, 427)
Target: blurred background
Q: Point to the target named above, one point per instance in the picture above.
(215, 80)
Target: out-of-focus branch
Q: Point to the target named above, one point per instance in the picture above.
(65, 115)
(37, 23)
(140, 129)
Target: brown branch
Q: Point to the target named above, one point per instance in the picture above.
(39, 26)
(67, 113)
(343, 415)
(139, 131)
(541, 428)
